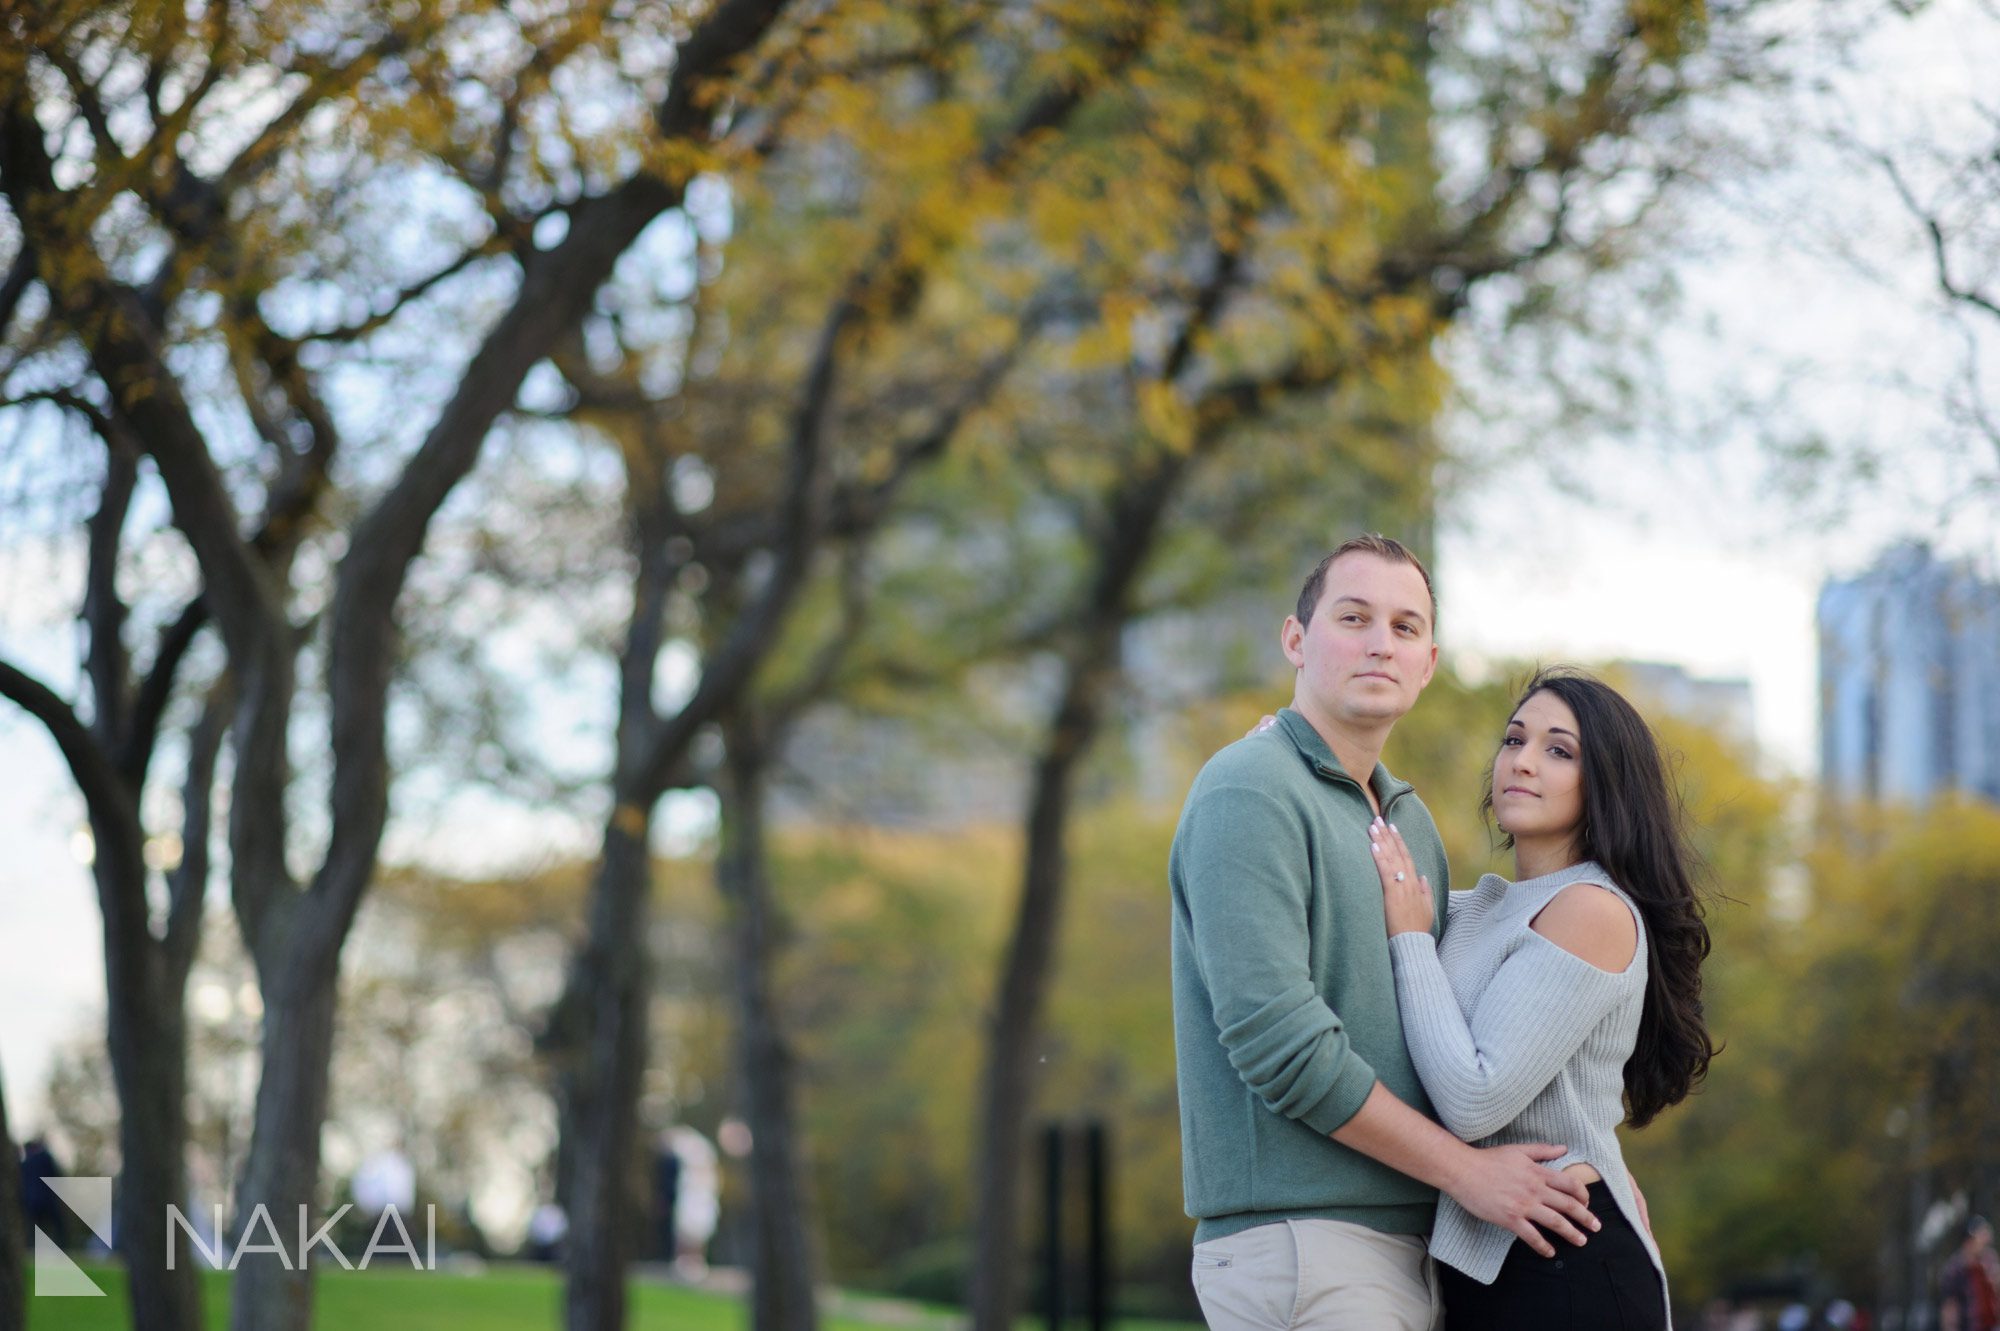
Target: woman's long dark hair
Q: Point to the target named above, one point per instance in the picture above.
(1634, 825)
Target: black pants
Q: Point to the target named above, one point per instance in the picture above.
(1608, 1284)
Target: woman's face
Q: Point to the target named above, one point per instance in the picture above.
(1538, 773)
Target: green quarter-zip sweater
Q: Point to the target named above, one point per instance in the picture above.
(1285, 1010)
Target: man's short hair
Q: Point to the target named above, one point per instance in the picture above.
(1369, 543)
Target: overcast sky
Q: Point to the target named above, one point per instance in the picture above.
(1810, 291)
(1686, 554)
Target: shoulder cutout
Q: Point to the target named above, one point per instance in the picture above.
(1589, 922)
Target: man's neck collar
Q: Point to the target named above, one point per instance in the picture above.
(1357, 755)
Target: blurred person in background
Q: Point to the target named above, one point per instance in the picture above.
(44, 1210)
(548, 1226)
(697, 1197)
(666, 1199)
(1970, 1282)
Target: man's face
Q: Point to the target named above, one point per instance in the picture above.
(1368, 651)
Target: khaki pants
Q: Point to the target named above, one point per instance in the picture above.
(1316, 1275)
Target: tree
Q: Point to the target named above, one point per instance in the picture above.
(1293, 291)
(1860, 1049)
(950, 168)
(13, 1264)
(152, 921)
(1947, 185)
(146, 965)
(785, 1261)
(1891, 183)
(134, 241)
(91, 324)
(442, 984)
(1902, 1055)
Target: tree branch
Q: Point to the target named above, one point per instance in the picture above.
(105, 663)
(1139, 505)
(804, 509)
(556, 288)
(655, 521)
(354, 332)
(87, 103)
(187, 885)
(727, 673)
(857, 506)
(104, 427)
(19, 278)
(159, 57)
(216, 18)
(293, 499)
(149, 704)
(323, 81)
(796, 531)
(95, 777)
(302, 478)
(126, 346)
(1056, 105)
(1206, 310)
(1934, 231)
(785, 709)
(1596, 111)
(731, 29)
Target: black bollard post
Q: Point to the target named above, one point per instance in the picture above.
(1097, 1184)
(1052, 1180)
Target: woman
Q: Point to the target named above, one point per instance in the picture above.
(1559, 1004)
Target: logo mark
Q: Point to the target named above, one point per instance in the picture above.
(56, 1276)
(260, 1216)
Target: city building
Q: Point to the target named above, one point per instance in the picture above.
(1910, 680)
(1723, 705)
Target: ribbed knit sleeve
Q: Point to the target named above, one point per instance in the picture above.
(1249, 930)
(1540, 1007)
(1518, 1041)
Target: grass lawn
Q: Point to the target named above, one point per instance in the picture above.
(501, 1299)
(504, 1298)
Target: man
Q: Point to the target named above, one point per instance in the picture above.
(1308, 1154)
(44, 1210)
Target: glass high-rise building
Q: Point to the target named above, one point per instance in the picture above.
(1910, 680)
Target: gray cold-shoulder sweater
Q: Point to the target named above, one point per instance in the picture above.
(1518, 1040)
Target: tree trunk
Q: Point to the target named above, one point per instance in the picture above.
(13, 1262)
(145, 996)
(1090, 669)
(783, 1263)
(282, 1170)
(1010, 1069)
(609, 987)
(149, 1064)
